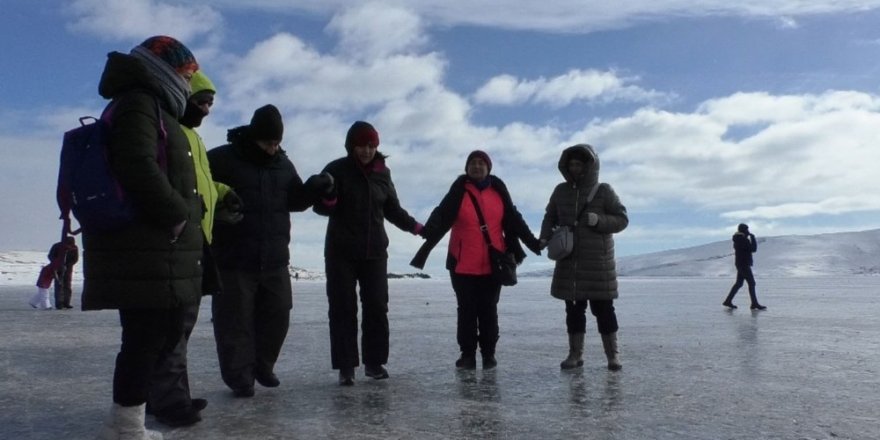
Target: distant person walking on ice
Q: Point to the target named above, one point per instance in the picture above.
(744, 245)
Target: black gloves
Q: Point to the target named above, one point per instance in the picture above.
(533, 244)
(321, 185)
(229, 209)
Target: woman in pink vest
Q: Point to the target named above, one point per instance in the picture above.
(476, 290)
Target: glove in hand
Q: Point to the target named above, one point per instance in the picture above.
(229, 209)
(321, 184)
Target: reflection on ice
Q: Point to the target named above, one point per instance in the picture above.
(808, 367)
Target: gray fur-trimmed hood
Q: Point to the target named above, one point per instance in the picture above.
(584, 152)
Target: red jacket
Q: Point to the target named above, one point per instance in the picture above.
(466, 242)
(47, 275)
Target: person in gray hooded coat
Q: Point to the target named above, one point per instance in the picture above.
(587, 276)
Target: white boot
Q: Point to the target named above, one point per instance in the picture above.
(127, 423)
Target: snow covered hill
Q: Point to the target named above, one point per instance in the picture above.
(843, 253)
(836, 254)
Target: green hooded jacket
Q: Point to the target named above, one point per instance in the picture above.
(209, 190)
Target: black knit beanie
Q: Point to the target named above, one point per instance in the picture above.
(266, 124)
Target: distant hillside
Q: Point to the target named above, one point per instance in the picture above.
(836, 254)
(843, 253)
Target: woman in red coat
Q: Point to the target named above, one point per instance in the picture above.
(476, 290)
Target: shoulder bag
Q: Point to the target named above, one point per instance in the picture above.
(561, 244)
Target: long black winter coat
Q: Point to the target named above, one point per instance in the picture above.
(139, 266)
(270, 189)
(365, 199)
(444, 215)
(590, 271)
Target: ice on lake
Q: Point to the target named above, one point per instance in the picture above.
(807, 368)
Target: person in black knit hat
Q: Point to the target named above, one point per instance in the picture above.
(356, 252)
(744, 245)
(252, 310)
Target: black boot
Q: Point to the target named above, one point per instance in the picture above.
(467, 361)
(728, 302)
(267, 379)
(489, 361)
(181, 416)
(375, 371)
(346, 376)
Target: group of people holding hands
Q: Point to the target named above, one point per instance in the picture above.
(218, 222)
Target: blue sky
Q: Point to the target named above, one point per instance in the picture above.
(704, 113)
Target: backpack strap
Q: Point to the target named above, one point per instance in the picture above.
(590, 197)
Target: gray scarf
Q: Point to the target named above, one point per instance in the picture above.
(175, 88)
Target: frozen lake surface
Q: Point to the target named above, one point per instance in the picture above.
(807, 368)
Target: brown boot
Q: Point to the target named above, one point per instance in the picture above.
(575, 352)
(609, 341)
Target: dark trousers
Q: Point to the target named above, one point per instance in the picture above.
(63, 287)
(477, 297)
(169, 386)
(603, 310)
(743, 274)
(147, 336)
(344, 276)
(251, 318)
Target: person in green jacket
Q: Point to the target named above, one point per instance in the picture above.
(170, 400)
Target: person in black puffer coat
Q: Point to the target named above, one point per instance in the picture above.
(744, 245)
(252, 309)
(588, 276)
(149, 270)
(356, 252)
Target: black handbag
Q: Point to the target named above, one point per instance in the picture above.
(503, 263)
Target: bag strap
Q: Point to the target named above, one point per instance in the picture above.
(590, 197)
(483, 228)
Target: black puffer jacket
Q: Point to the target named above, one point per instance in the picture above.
(270, 189)
(444, 215)
(365, 198)
(139, 266)
(744, 245)
(590, 271)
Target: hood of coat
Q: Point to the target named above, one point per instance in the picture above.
(583, 152)
(124, 73)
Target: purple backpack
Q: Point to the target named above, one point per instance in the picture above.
(86, 184)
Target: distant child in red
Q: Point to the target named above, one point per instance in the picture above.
(41, 300)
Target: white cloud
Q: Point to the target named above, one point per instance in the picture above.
(560, 91)
(807, 152)
(581, 15)
(769, 157)
(375, 30)
(831, 206)
(139, 19)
